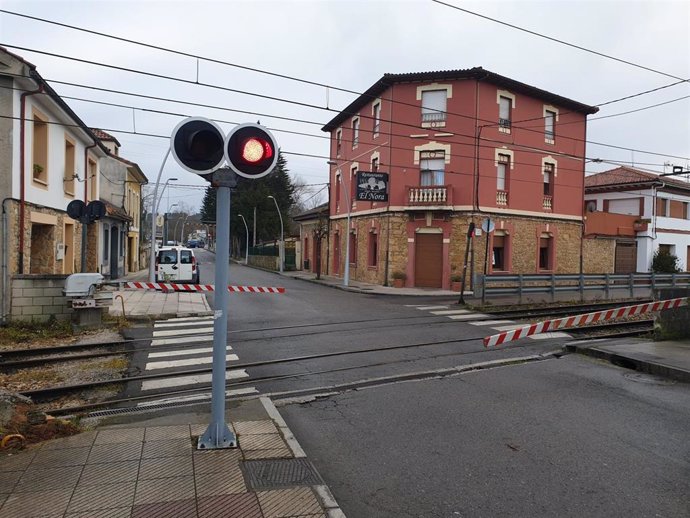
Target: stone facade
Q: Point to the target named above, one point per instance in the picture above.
(39, 298)
(44, 229)
(396, 237)
(599, 255)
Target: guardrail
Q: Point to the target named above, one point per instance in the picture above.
(611, 284)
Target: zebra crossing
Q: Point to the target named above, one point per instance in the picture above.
(476, 318)
(189, 344)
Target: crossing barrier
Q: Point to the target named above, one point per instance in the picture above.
(168, 286)
(584, 319)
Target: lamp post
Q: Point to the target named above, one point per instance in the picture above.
(281, 248)
(182, 231)
(167, 217)
(246, 228)
(346, 274)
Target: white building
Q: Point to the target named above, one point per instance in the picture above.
(661, 205)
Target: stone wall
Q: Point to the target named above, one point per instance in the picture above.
(269, 262)
(38, 298)
(599, 255)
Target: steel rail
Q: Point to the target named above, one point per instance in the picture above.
(561, 310)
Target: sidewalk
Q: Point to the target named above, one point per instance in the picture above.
(156, 304)
(152, 468)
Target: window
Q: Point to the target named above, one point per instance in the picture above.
(185, 257)
(377, 118)
(545, 244)
(93, 179)
(40, 150)
(432, 165)
(550, 125)
(498, 259)
(106, 242)
(355, 132)
(353, 183)
(353, 248)
(502, 169)
(434, 105)
(338, 181)
(167, 257)
(374, 165)
(338, 142)
(69, 173)
(122, 243)
(373, 249)
(662, 207)
(666, 249)
(548, 179)
(504, 111)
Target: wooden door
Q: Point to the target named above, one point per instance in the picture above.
(428, 271)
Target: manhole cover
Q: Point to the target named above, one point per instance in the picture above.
(272, 474)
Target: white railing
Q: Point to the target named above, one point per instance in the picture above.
(501, 198)
(434, 195)
(548, 202)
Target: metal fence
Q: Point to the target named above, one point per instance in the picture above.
(611, 285)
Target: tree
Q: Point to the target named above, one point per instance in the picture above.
(320, 231)
(664, 262)
(208, 206)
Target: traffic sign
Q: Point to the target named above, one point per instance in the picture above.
(488, 225)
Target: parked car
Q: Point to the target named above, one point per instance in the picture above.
(192, 243)
(176, 264)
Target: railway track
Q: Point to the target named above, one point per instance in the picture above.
(558, 311)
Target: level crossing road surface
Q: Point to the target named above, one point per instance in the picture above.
(553, 437)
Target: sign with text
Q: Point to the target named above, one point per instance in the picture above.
(372, 186)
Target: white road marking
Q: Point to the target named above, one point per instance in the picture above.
(186, 319)
(490, 322)
(198, 397)
(186, 340)
(544, 336)
(187, 362)
(177, 332)
(510, 327)
(179, 381)
(181, 324)
(451, 312)
(427, 308)
(467, 317)
(183, 352)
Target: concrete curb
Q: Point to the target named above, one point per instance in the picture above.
(630, 362)
(324, 494)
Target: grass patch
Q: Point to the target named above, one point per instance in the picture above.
(23, 332)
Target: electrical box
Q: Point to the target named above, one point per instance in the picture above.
(60, 252)
(82, 284)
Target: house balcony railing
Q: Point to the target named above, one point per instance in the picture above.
(434, 117)
(429, 195)
(548, 202)
(501, 198)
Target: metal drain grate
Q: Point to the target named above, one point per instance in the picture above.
(279, 473)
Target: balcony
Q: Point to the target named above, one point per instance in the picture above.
(501, 198)
(429, 195)
(547, 204)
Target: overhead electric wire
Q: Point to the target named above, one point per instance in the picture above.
(562, 42)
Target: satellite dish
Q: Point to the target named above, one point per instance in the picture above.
(95, 210)
(75, 209)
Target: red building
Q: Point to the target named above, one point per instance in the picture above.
(459, 147)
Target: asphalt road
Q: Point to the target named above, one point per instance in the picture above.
(556, 437)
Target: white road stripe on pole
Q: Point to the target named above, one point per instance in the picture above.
(186, 362)
(183, 352)
(467, 317)
(182, 324)
(427, 308)
(177, 332)
(198, 397)
(451, 312)
(179, 381)
(490, 322)
(186, 340)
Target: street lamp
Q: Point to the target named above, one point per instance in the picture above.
(246, 228)
(167, 217)
(346, 275)
(281, 248)
(155, 204)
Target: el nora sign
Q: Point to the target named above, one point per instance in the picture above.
(372, 186)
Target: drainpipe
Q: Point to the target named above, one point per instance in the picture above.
(5, 295)
(22, 169)
(86, 197)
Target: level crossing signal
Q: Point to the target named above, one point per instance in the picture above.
(198, 145)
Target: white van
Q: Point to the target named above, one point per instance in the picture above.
(176, 264)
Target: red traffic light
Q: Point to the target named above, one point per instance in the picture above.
(251, 151)
(254, 150)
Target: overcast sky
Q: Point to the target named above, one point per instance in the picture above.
(351, 44)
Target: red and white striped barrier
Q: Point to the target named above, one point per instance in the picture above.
(166, 286)
(584, 319)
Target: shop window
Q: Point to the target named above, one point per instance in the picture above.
(353, 248)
